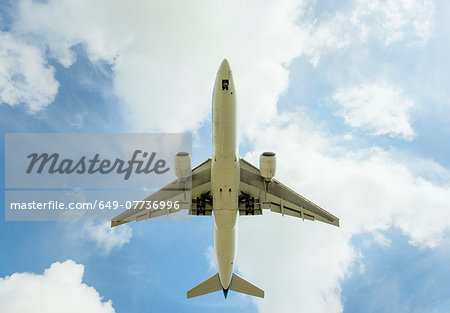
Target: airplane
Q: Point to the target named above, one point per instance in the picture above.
(224, 186)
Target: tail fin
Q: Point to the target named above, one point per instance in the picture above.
(212, 284)
(241, 285)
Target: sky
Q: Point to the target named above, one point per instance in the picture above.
(352, 96)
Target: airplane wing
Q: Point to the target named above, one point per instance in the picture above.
(174, 191)
(257, 195)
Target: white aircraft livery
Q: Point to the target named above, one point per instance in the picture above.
(226, 186)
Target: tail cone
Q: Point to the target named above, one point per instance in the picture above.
(225, 292)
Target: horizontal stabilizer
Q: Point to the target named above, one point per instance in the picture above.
(239, 284)
(212, 284)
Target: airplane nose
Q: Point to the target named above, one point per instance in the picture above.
(224, 79)
(224, 66)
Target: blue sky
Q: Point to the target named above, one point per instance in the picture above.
(352, 96)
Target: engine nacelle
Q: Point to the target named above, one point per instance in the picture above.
(182, 165)
(267, 165)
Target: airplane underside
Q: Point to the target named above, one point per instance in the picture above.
(226, 187)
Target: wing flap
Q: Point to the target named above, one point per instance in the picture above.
(279, 198)
(176, 191)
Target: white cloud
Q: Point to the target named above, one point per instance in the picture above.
(357, 182)
(25, 76)
(368, 21)
(165, 54)
(209, 255)
(60, 25)
(164, 57)
(378, 107)
(325, 35)
(166, 77)
(105, 237)
(59, 289)
(381, 239)
(395, 20)
(298, 265)
(370, 190)
(44, 30)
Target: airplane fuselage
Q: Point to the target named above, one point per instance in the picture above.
(224, 173)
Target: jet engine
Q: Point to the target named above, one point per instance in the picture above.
(267, 165)
(183, 165)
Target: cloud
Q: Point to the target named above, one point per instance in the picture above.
(393, 21)
(384, 22)
(378, 107)
(357, 181)
(105, 237)
(164, 55)
(370, 190)
(60, 25)
(59, 289)
(298, 265)
(44, 31)
(381, 239)
(25, 76)
(209, 255)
